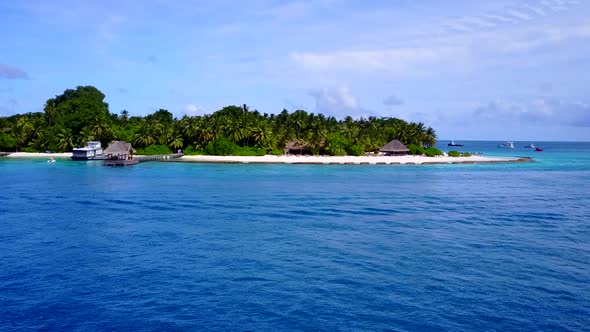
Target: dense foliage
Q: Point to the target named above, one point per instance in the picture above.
(454, 153)
(432, 152)
(81, 115)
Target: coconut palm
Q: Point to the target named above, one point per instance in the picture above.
(50, 111)
(124, 118)
(144, 136)
(86, 135)
(41, 141)
(65, 139)
(174, 139)
(21, 131)
(101, 130)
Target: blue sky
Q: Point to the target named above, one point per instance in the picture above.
(506, 70)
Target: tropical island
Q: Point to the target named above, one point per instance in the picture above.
(80, 115)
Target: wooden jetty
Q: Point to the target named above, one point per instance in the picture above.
(141, 159)
(120, 153)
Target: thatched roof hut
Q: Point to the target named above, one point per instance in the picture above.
(395, 148)
(302, 148)
(119, 148)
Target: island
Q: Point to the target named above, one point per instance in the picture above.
(234, 134)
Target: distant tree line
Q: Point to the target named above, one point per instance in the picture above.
(80, 115)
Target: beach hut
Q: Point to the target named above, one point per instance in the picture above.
(302, 148)
(119, 153)
(297, 147)
(394, 148)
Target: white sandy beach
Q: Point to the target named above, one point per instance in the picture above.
(344, 160)
(62, 155)
(372, 160)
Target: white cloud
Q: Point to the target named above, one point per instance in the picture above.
(397, 60)
(192, 110)
(541, 111)
(337, 102)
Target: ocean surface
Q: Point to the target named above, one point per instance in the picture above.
(187, 247)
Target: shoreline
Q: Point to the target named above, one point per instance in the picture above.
(349, 160)
(312, 160)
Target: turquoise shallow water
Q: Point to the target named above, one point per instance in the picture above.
(177, 247)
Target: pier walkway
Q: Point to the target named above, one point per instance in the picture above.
(141, 159)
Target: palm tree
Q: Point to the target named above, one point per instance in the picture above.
(50, 111)
(21, 131)
(144, 136)
(261, 135)
(174, 139)
(430, 137)
(124, 118)
(316, 136)
(41, 141)
(86, 135)
(65, 139)
(101, 130)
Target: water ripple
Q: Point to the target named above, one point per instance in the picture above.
(178, 247)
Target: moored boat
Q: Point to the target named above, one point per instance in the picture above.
(538, 149)
(92, 151)
(506, 145)
(452, 143)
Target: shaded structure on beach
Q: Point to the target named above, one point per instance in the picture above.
(302, 148)
(119, 153)
(394, 148)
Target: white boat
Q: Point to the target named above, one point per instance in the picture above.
(452, 143)
(92, 151)
(530, 146)
(506, 145)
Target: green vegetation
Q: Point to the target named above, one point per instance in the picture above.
(191, 151)
(7, 142)
(432, 152)
(416, 150)
(275, 152)
(454, 153)
(80, 115)
(154, 150)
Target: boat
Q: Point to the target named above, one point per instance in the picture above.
(506, 145)
(92, 151)
(452, 143)
(538, 149)
(530, 146)
(51, 160)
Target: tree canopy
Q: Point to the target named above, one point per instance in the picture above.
(81, 114)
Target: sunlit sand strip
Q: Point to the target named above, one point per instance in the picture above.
(351, 160)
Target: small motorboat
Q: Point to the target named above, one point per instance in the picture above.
(51, 160)
(507, 145)
(530, 146)
(452, 143)
(538, 149)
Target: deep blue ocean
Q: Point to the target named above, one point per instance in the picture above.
(187, 247)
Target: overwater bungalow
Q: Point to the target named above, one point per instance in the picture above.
(119, 153)
(394, 148)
